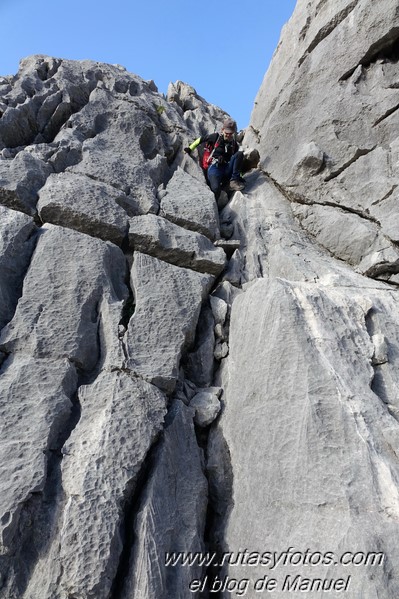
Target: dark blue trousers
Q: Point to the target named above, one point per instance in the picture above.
(220, 174)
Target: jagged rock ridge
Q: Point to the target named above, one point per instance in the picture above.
(107, 261)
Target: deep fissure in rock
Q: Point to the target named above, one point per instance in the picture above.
(129, 305)
(386, 49)
(133, 497)
(44, 508)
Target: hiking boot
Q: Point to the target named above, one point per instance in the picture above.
(237, 184)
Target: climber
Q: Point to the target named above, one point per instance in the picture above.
(223, 158)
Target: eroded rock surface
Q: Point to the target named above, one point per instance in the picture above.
(309, 425)
(157, 397)
(162, 239)
(86, 374)
(327, 130)
(165, 318)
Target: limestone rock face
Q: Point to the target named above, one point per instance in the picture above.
(77, 202)
(94, 333)
(303, 458)
(327, 130)
(179, 419)
(171, 513)
(24, 449)
(60, 311)
(120, 420)
(176, 208)
(160, 238)
(17, 238)
(317, 456)
(165, 319)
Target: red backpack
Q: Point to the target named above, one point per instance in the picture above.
(208, 154)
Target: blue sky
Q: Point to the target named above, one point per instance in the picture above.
(220, 48)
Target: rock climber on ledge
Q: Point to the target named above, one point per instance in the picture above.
(222, 160)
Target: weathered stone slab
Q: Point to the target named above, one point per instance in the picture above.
(20, 180)
(191, 204)
(168, 303)
(158, 237)
(70, 277)
(77, 202)
(172, 514)
(358, 241)
(328, 132)
(16, 247)
(330, 477)
(35, 405)
(120, 420)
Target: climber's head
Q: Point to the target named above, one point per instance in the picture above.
(229, 127)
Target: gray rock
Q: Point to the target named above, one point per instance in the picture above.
(200, 363)
(207, 407)
(121, 418)
(16, 246)
(39, 393)
(327, 132)
(310, 160)
(20, 180)
(347, 236)
(172, 514)
(273, 244)
(308, 348)
(380, 349)
(65, 297)
(219, 332)
(323, 499)
(168, 303)
(219, 309)
(221, 350)
(77, 202)
(199, 115)
(226, 292)
(162, 239)
(190, 204)
(132, 163)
